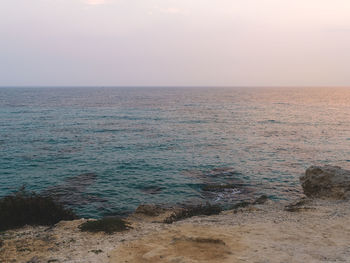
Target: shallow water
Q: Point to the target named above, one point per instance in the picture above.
(161, 145)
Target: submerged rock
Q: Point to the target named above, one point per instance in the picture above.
(72, 191)
(216, 175)
(152, 190)
(219, 187)
(326, 182)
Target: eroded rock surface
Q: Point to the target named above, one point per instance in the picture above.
(149, 210)
(326, 182)
(262, 233)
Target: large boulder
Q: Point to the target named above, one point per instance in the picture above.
(327, 181)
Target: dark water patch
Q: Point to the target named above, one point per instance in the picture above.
(69, 150)
(289, 189)
(152, 190)
(223, 185)
(194, 122)
(270, 122)
(122, 212)
(119, 130)
(72, 192)
(222, 174)
(219, 187)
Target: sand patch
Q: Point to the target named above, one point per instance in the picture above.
(185, 243)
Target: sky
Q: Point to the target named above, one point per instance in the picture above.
(174, 43)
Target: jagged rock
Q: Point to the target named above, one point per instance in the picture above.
(326, 182)
(298, 205)
(149, 210)
(190, 211)
(261, 200)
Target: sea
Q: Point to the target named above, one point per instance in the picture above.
(106, 150)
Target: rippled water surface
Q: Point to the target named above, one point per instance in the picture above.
(106, 150)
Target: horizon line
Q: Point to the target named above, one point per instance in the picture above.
(172, 86)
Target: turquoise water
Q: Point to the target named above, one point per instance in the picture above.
(162, 145)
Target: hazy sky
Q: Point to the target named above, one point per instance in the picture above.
(175, 42)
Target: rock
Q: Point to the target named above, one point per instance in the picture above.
(298, 206)
(96, 251)
(326, 182)
(240, 205)
(149, 210)
(190, 211)
(34, 260)
(261, 200)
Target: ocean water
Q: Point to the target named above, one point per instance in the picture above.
(107, 150)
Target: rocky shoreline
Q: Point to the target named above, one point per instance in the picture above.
(315, 228)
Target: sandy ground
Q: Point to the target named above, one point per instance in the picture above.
(318, 231)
